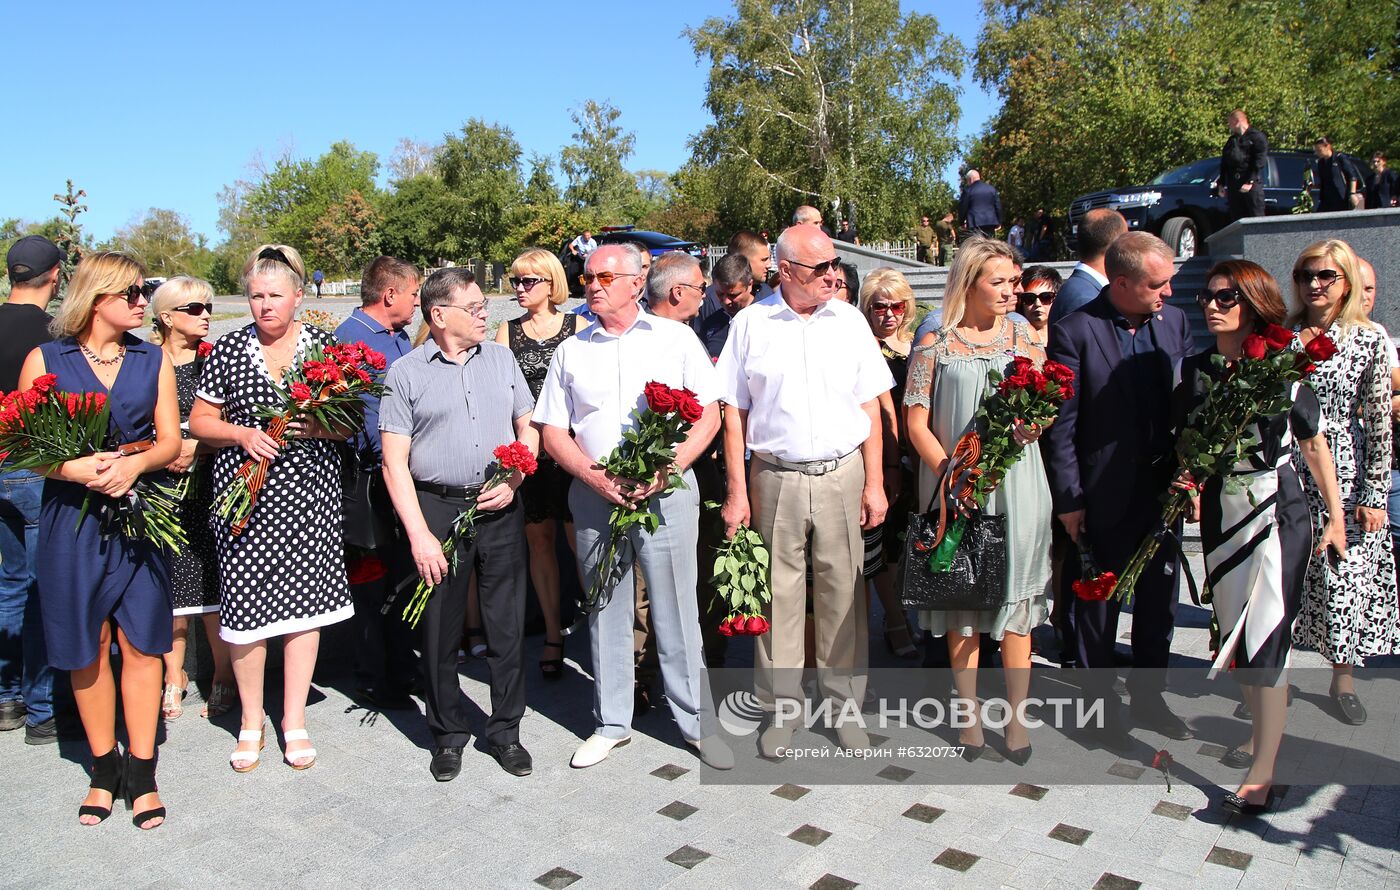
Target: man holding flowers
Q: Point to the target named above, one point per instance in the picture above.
(450, 403)
(596, 391)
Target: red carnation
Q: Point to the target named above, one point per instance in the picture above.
(1320, 348)
(353, 354)
(516, 456)
(374, 359)
(314, 371)
(99, 401)
(1255, 347)
(1277, 336)
(45, 382)
(660, 397)
(73, 403)
(301, 392)
(203, 349)
(363, 376)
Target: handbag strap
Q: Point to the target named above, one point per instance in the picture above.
(959, 479)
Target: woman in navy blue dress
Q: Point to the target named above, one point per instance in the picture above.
(89, 583)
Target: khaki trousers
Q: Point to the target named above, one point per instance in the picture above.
(796, 513)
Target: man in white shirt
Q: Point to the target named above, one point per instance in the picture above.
(594, 390)
(583, 246)
(802, 377)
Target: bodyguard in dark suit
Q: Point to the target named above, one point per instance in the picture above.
(979, 207)
(1109, 458)
(1097, 230)
(1243, 163)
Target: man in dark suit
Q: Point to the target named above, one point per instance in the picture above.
(1097, 230)
(1110, 459)
(1243, 163)
(979, 208)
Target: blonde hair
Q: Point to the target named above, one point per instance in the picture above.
(537, 261)
(178, 291)
(99, 273)
(963, 275)
(294, 268)
(1351, 312)
(886, 282)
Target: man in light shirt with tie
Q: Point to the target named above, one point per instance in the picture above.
(803, 377)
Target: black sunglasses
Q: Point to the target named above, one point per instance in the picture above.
(525, 282)
(820, 269)
(133, 294)
(194, 308)
(1045, 297)
(1325, 277)
(1226, 298)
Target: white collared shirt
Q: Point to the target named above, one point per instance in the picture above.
(1101, 280)
(595, 380)
(802, 380)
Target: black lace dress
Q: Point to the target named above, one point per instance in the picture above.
(194, 578)
(546, 493)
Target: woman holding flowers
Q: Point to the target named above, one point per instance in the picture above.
(1255, 525)
(947, 383)
(284, 573)
(1349, 606)
(180, 310)
(90, 583)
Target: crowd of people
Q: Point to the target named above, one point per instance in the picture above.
(828, 416)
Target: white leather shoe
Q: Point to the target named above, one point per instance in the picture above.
(713, 752)
(595, 750)
(774, 742)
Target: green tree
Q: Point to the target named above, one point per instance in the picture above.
(540, 188)
(287, 201)
(837, 103)
(347, 236)
(164, 241)
(593, 162)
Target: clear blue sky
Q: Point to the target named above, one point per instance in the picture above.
(160, 104)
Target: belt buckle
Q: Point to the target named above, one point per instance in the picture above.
(819, 467)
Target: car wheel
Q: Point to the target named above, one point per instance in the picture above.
(1180, 234)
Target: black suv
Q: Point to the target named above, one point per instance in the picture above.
(656, 242)
(1181, 207)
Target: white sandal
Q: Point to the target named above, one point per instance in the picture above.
(308, 754)
(247, 761)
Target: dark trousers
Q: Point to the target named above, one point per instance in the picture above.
(1245, 204)
(498, 556)
(384, 660)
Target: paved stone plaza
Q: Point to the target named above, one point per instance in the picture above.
(369, 815)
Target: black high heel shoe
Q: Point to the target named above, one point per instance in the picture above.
(1019, 756)
(140, 781)
(1234, 803)
(553, 668)
(106, 776)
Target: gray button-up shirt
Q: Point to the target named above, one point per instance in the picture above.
(455, 414)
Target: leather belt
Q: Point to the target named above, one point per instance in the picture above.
(452, 492)
(807, 467)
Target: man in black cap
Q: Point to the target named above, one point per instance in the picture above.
(26, 681)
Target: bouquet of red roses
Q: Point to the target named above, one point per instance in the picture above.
(1214, 440)
(326, 390)
(43, 427)
(509, 458)
(979, 461)
(741, 580)
(645, 450)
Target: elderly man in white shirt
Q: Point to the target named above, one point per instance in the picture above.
(804, 377)
(594, 389)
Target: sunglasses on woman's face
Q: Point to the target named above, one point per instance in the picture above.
(133, 294)
(194, 308)
(1226, 298)
(525, 282)
(1044, 297)
(887, 308)
(1324, 277)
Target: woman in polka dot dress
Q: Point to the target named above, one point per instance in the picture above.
(284, 575)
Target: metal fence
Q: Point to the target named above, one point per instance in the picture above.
(904, 249)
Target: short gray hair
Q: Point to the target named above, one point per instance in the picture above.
(732, 269)
(631, 254)
(668, 271)
(437, 290)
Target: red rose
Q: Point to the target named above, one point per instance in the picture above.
(724, 629)
(45, 382)
(1036, 381)
(203, 349)
(1320, 348)
(1308, 369)
(1277, 337)
(756, 626)
(1059, 373)
(301, 392)
(366, 569)
(659, 397)
(1021, 364)
(690, 410)
(1255, 347)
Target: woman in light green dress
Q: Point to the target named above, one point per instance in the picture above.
(947, 382)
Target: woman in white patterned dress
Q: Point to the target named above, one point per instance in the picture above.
(1349, 609)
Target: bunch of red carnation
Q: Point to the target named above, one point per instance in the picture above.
(1092, 584)
(744, 626)
(326, 389)
(510, 459)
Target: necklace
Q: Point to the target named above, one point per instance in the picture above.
(98, 360)
(538, 329)
(999, 338)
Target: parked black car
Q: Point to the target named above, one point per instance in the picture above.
(656, 242)
(1181, 207)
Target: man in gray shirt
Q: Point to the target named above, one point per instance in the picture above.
(450, 403)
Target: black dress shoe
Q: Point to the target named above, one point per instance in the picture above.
(45, 733)
(1237, 759)
(447, 763)
(513, 758)
(11, 715)
(1160, 719)
(1353, 712)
